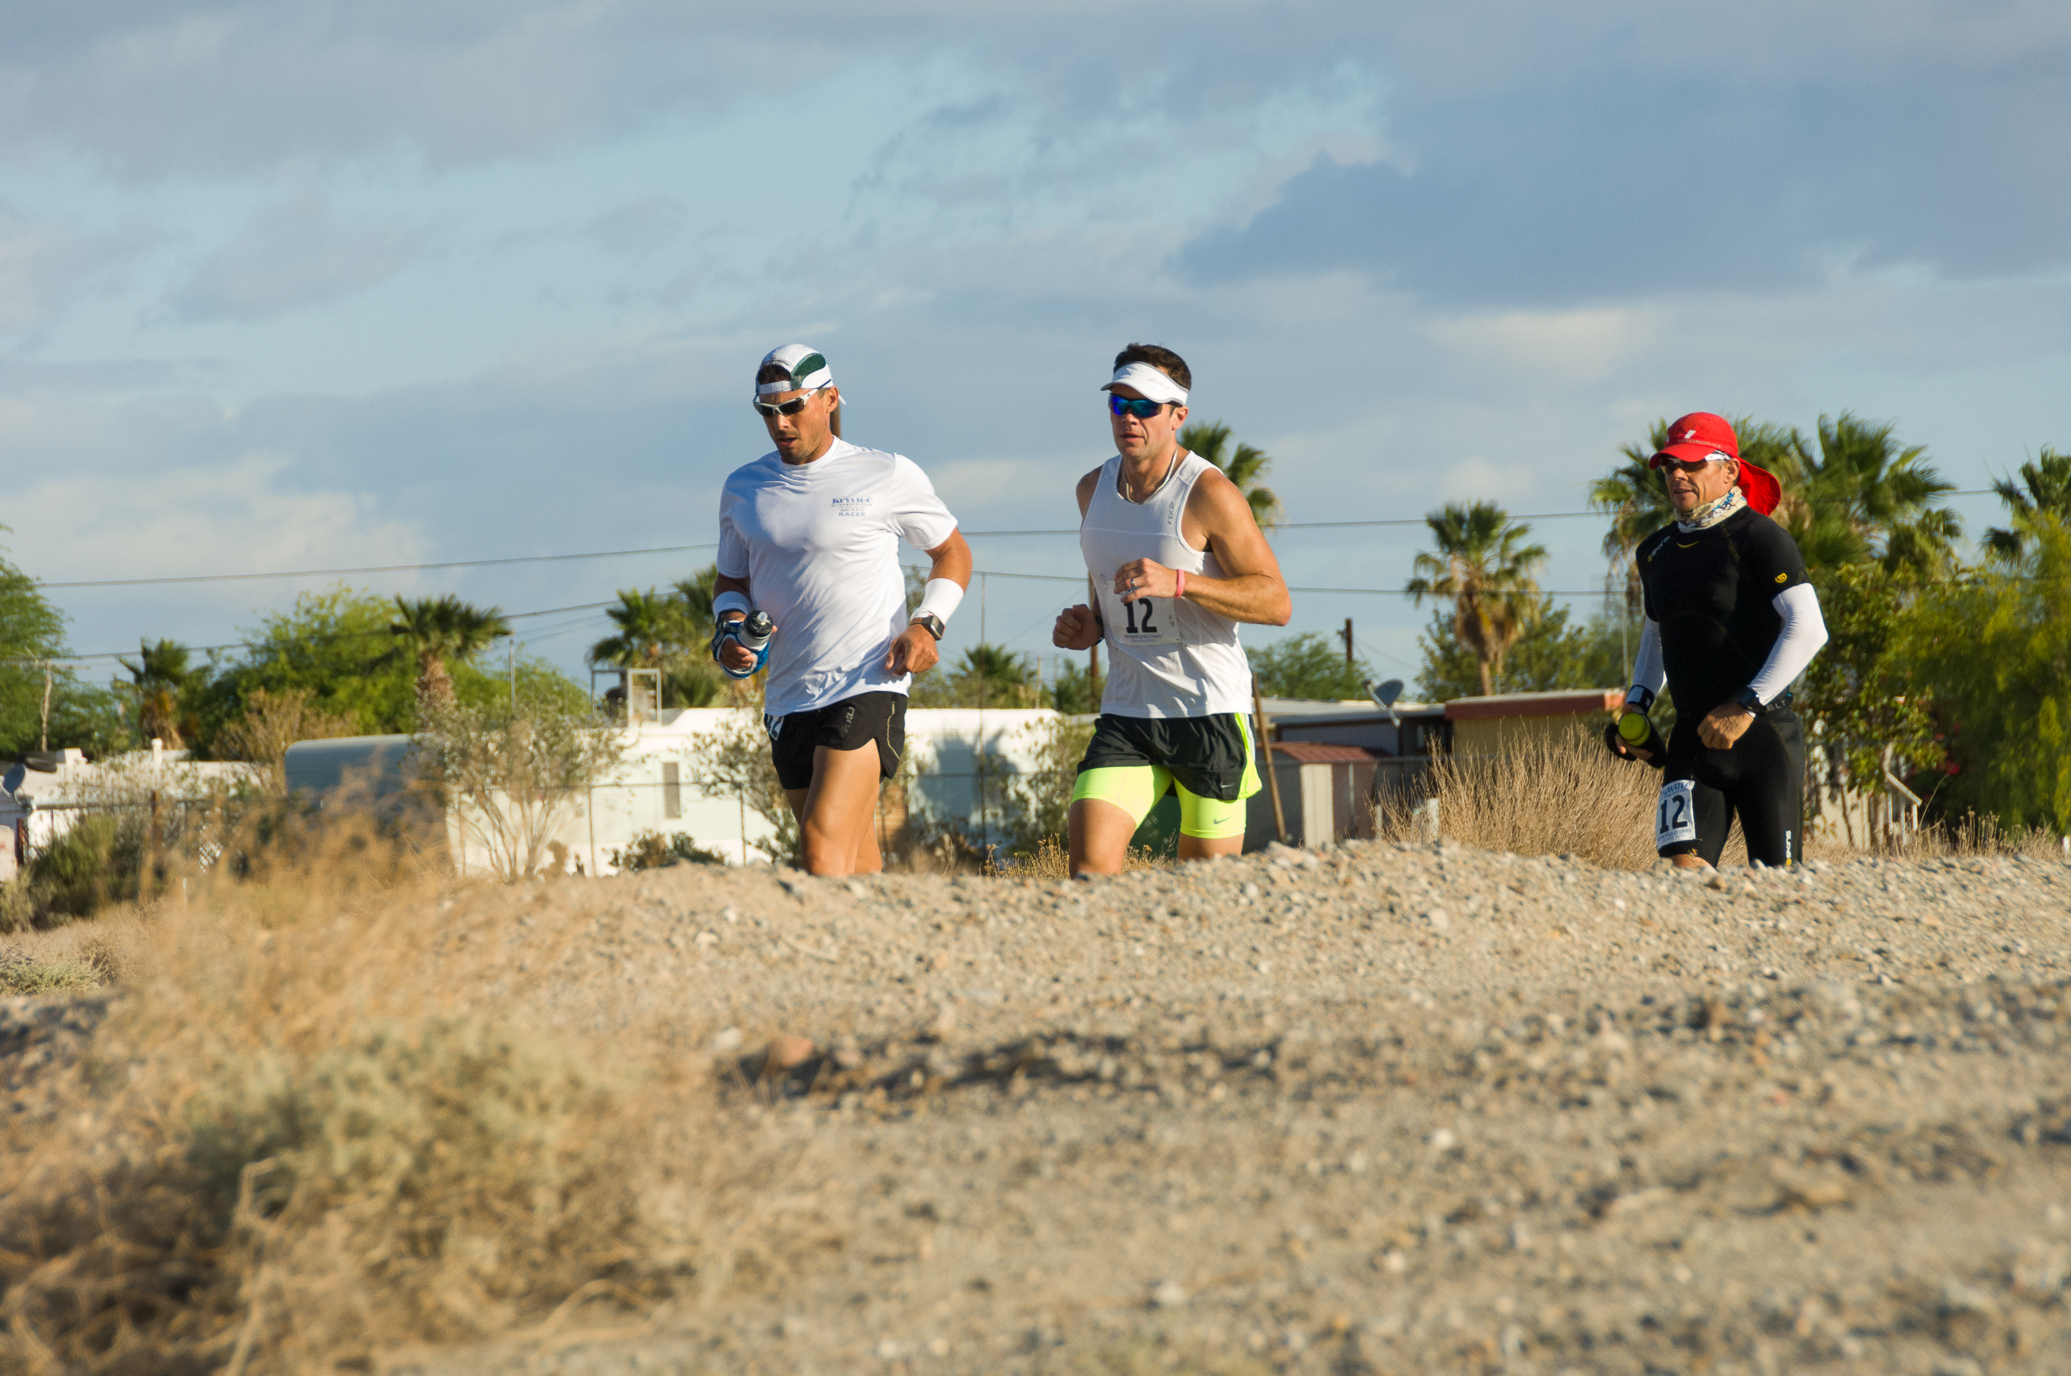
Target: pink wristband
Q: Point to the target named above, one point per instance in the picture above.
(1180, 583)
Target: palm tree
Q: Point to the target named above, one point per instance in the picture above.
(697, 592)
(162, 673)
(652, 627)
(433, 630)
(2048, 493)
(991, 675)
(1488, 571)
(1867, 500)
(1244, 467)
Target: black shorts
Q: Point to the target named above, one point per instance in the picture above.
(1762, 778)
(846, 725)
(1209, 757)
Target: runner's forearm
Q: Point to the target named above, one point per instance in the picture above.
(1258, 599)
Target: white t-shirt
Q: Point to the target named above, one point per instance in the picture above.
(819, 545)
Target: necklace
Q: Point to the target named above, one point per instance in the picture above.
(1171, 462)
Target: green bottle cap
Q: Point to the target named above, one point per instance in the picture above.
(1633, 726)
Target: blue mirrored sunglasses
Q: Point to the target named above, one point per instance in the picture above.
(1133, 406)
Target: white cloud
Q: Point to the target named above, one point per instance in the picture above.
(1567, 347)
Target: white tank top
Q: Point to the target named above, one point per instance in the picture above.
(1166, 656)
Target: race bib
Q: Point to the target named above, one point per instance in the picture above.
(1676, 821)
(1146, 621)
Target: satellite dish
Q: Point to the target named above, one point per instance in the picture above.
(1385, 696)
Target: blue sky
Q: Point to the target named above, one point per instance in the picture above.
(297, 285)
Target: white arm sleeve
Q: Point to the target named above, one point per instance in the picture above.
(1647, 670)
(1804, 631)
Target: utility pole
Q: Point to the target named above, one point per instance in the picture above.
(1347, 636)
(46, 707)
(513, 643)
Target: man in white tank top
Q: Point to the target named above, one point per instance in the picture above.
(1174, 563)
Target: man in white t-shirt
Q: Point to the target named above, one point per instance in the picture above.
(810, 534)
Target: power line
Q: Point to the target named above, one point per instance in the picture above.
(374, 568)
(333, 637)
(684, 549)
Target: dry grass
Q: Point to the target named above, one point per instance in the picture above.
(1569, 796)
(324, 1122)
(1556, 797)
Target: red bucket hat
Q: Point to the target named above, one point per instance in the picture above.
(1700, 435)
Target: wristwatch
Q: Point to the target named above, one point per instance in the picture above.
(1749, 702)
(931, 623)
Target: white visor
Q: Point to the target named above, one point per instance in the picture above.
(1152, 384)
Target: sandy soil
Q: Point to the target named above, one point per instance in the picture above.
(1382, 1109)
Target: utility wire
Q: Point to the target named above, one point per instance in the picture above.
(684, 549)
(332, 638)
(373, 568)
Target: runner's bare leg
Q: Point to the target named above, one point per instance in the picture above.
(1208, 847)
(1099, 834)
(838, 812)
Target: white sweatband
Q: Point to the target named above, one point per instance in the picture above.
(731, 602)
(939, 598)
(1152, 384)
(1804, 631)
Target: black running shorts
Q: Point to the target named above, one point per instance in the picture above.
(1762, 778)
(1209, 757)
(846, 725)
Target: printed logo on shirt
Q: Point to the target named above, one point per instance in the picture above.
(1783, 578)
(851, 506)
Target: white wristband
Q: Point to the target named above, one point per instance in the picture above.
(731, 602)
(939, 598)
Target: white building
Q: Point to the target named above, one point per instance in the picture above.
(659, 787)
(41, 798)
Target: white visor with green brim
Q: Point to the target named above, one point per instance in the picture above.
(1152, 384)
(806, 365)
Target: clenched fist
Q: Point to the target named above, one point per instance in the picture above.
(1077, 629)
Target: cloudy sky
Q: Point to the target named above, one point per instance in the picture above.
(294, 285)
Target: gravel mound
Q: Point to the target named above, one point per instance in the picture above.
(1381, 1108)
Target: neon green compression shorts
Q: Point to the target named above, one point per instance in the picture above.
(1208, 761)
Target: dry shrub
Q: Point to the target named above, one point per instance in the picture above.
(334, 1115)
(1550, 796)
(1050, 860)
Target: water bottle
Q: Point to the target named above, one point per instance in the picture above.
(756, 631)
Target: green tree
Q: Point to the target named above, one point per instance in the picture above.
(1484, 565)
(436, 631)
(669, 631)
(1554, 653)
(697, 592)
(163, 677)
(1997, 649)
(1245, 466)
(32, 633)
(1073, 693)
(991, 676)
(1862, 499)
(2045, 489)
(1307, 666)
(337, 648)
(1863, 700)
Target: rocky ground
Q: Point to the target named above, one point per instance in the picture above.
(1379, 1109)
